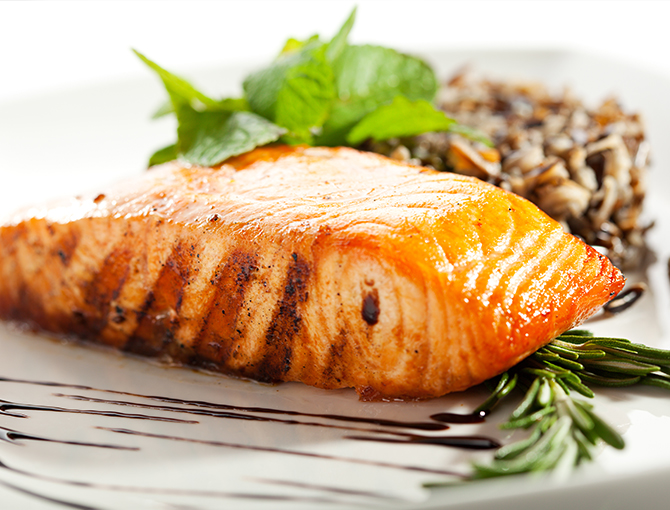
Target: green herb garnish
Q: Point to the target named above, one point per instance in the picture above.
(315, 92)
(564, 429)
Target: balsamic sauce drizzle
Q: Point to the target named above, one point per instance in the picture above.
(326, 488)
(238, 416)
(271, 449)
(427, 426)
(37, 495)
(386, 431)
(6, 405)
(158, 490)
(15, 437)
(474, 417)
(469, 442)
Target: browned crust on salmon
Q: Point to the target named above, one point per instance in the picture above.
(327, 266)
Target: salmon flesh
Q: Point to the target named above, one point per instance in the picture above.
(328, 266)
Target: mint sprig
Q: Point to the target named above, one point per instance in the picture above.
(315, 92)
(209, 130)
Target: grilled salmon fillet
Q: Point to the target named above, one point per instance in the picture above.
(332, 267)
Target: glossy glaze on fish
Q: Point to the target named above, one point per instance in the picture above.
(331, 267)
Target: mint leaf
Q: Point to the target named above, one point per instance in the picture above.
(293, 45)
(339, 41)
(303, 103)
(295, 91)
(208, 138)
(367, 77)
(400, 118)
(164, 155)
(229, 104)
(180, 91)
(163, 110)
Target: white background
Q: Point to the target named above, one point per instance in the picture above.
(51, 46)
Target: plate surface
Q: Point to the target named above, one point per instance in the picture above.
(110, 431)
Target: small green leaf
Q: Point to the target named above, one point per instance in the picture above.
(294, 45)
(576, 384)
(180, 91)
(545, 395)
(527, 421)
(339, 41)
(400, 118)
(623, 366)
(164, 155)
(367, 77)
(228, 105)
(557, 349)
(503, 388)
(527, 401)
(562, 384)
(604, 431)
(538, 372)
(208, 138)
(296, 91)
(657, 380)
(163, 110)
(512, 450)
(303, 103)
(612, 380)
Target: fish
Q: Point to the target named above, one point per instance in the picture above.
(331, 267)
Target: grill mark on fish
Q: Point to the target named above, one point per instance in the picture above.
(214, 342)
(335, 359)
(158, 317)
(104, 288)
(286, 323)
(26, 305)
(9, 302)
(66, 243)
(151, 249)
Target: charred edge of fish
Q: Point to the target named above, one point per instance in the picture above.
(102, 290)
(158, 319)
(28, 309)
(213, 344)
(66, 245)
(370, 308)
(626, 299)
(286, 323)
(333, 371)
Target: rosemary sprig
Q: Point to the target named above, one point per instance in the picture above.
(564, 430)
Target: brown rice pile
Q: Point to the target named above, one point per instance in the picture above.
(585, 168)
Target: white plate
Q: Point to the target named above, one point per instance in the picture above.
(66, 143)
